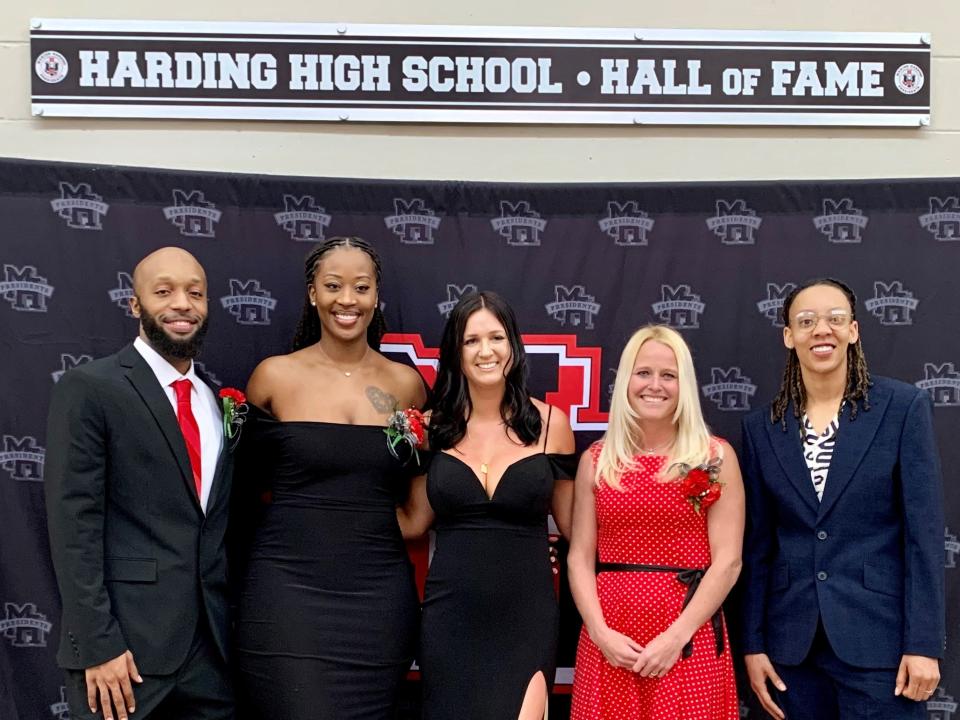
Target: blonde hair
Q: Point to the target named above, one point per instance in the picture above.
(623, 440)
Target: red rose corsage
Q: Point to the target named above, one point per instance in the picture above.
(701, 485)
(234, 404)
(405, 427)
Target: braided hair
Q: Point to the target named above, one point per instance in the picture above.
(792, 389)
(309, 328)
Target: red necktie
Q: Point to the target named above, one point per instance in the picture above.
(189, 427)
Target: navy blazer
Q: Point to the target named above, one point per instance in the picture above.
(867, 560)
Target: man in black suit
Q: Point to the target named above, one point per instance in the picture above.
(137, 488)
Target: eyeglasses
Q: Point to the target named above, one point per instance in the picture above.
(807, 320)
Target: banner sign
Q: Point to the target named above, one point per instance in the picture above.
(416, 73)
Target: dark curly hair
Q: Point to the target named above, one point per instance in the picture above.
(450, 404)
(309, 328)
(792, 389)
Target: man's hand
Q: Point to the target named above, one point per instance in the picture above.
(112, 681)
(917, 677)
(759, 670)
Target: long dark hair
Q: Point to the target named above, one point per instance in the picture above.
(450, 404)
(792, 389)
(309, 328)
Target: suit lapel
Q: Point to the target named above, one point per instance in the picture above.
(145, 383)
(790, 456)
(853, 440)
(215, 483)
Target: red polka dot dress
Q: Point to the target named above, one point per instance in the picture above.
(650, 523)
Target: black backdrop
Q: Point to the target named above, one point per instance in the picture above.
(583, 265)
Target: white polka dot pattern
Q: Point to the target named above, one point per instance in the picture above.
(650, 522)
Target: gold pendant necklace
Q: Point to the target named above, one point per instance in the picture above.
(346, 373)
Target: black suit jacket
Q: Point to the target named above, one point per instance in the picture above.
(137, 561)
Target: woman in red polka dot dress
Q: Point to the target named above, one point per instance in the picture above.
(655, 548)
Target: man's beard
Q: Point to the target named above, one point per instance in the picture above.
(169, 347)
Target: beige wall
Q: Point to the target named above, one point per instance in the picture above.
(556, 154)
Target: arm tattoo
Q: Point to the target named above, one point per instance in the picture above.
(381, 400)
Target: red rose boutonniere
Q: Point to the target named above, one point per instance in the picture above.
(234, 405)
(405, 426)
(701, 485)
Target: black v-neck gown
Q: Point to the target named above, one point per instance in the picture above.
(490, 615)
(328, 610)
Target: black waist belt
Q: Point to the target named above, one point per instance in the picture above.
(690, 577)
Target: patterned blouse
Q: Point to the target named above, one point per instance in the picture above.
(818, 450)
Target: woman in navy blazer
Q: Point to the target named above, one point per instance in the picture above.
(843, 562)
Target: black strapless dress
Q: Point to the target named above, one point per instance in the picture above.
(327, 610)
(490, 615)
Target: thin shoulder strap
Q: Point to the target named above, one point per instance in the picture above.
(547, 429)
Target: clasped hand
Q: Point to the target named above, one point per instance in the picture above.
(655, 660)
(112, 681)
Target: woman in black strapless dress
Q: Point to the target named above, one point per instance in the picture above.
(327, 608)
(490, 616)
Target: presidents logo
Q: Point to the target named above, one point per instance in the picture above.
(891, 304)
(771, 307)
(729, 389)
(24, 626)
(193, 215)
(121, 294)
(82, 208)
(734, 223)
(60, 710)
(841, 222)
(302, 218)
(519, 224)
(909, 79)
(941, 706)
(950, 549)
(24, 289)
(679, 307)
(942, 382)
(454, 293)
(414, 223)
(51, 66)
(943, 220)
(22, 458)
(573, 306)
(249, 303)
(69, 362)
(626, 223)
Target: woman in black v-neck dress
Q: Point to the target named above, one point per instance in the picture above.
(490, 618)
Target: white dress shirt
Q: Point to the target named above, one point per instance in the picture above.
(205, 409)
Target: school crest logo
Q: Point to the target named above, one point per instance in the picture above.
(772, 306)
(82, 208)
(679, 307)
(626, 223)
(302, 218)
(24, 289)
(121, 294)
(51, 66)
(941, 706)
(950, 548)
(24, 626)
(942, 382)
(734, 223)
(729, 389)
(573, 306)
(454, 293)
(249, 303)
(908, 79)
(891, 304)
(414, 223)
(61, 709)
(841, 222)
(519, 224)
(192, 214)
(68, 362)
(943, 220)
(22, 458)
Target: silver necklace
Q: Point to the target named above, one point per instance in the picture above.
(657, 448)
(347, 373)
